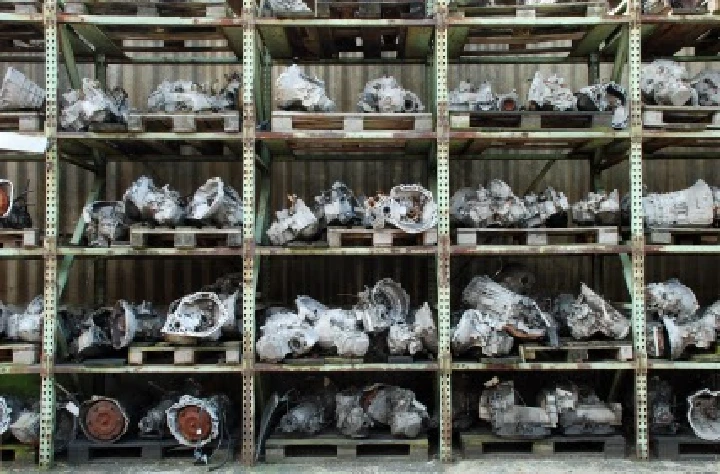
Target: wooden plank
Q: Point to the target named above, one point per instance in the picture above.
(22, 121)
(608, 235)
(684, 235)
(683, 447)
(82, 451)
(578, 351)
(142, 236)
(284, 121)
(331, 447)
(681, 117)
(193, 8)
(348, 237)
(27, 238)
(529, 120)
(184, 122)
(143, 354)
(13, 455)
(481, 443)
(23, 354)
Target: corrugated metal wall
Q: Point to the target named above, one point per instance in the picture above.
(331, 279)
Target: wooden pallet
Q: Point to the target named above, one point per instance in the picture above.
(335, 447)
(305, 361)
(185, 237)
(683, 235)
(20, 353)
(510, 8)
(17, 454)
(82, 451)
(172, 8)
(27, 238)
(529, 120)
(184, 122)
(606, 235)
(577, 351)
(684, 446)
(147, 354)
(359, 236)
(475, 444)
(22, 121)
(22, 6)
(681, 117)
(283, 121)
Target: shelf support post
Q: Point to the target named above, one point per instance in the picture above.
(47, 358)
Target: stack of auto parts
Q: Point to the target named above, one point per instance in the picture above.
(13, 209)
(386, 95)
(188, 96)
(571, 409)
(356, 411)
(216, 203)
(550, 93)
(469, 97)
(497, 206)
(691, 207)
(295, 90)
(17, 92)
(106, 223)
(665, 82)
(25, 325)
(199, 315)
(21, 418)
(91, 104)
(130, 322)
(605, 97)
(409, 207)
(597, 209)
(145, 202)
(673, 307)
(382, 309)
(499, 316)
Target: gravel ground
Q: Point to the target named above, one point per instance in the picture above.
(490, 466)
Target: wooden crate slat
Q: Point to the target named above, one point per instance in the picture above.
(283, 121)
(345, 237)
(608, 235)
(228, 353)
(184, 122)
(529, 120)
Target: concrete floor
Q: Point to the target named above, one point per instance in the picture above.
(565, 465)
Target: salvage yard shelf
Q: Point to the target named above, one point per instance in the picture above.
(213, 32)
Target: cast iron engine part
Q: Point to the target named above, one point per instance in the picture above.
(665, 82)
(515, 314)
(338, 205)
(707, 87)
(10, 408)
(550, 93)
(605, 97)
(298, 222)
(704, 414)
(597, 209)
(197, 421)
(699, 331)
(383, 305)
(26, 326)
(145, 202)
(469, 97)
(691, 207)
(574, 410)
(409, 207)
(310, 414)
(13, 209)
(17, 92)
(198, 315)
(672, 299)
(384, 405)
(295, 90)
(482, 331)
(386, 95)
(91, 104)
(216, 203)
(497, 206)
(284, 334)
(188, 96)
(662, 405)
(411, 338)
(103, 419)
(130, 322)
(106, 223)
(94, 337)
(590, 314)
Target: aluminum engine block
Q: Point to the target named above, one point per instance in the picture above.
(199, 315)
(19, 92)
(691, 207)
(590, 314)
(597, 209)
(550, 93)
(216, 203)
(91, 104)
(665, 82)
(297, 222)
(294, 90)
(146, 202)
(386, 95)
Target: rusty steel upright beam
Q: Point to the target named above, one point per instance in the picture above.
(443, 248)
(249, 272)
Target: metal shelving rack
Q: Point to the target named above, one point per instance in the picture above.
(438, 147)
